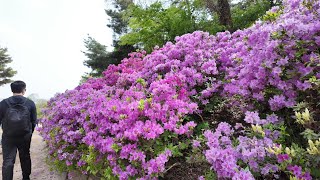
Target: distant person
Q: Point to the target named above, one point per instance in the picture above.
(18, 117)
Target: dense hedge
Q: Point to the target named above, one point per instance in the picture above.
(247, 103)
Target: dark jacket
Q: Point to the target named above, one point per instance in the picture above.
(16, 100)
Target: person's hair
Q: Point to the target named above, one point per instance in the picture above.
(18, 86)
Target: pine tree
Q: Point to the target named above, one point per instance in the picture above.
(98, 57)
(5, 72)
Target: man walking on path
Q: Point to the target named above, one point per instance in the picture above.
(18, 117)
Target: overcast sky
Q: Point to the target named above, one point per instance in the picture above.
(45, 39)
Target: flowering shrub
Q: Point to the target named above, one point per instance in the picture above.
(153, 108)
(255, 150)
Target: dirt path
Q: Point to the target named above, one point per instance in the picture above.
(40, 170)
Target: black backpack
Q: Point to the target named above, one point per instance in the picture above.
(16, 121)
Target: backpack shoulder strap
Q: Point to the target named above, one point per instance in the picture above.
(24, 102)
(8, 103)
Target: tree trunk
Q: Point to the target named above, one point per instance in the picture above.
(222, 8)
(224, 13)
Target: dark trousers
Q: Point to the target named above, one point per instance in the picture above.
(10, 146)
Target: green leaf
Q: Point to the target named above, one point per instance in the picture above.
(116, 147)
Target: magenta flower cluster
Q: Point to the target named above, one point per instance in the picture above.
(229, 160)
(147, 96)
(222, 155)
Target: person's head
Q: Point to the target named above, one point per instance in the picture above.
(18, 87)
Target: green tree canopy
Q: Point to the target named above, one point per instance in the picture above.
(245, 13)
(96, 56)
(5, 72)
(159, 22)
(156, 24)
